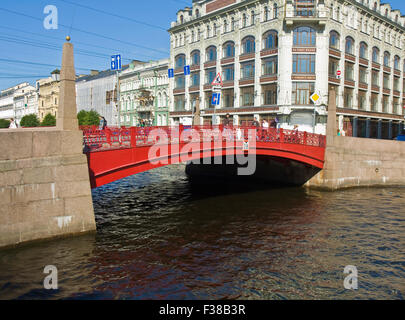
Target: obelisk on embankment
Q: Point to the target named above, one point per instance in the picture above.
(44, 179)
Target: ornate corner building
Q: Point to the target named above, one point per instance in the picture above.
(273, 55)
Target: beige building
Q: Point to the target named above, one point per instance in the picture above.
(48, 95)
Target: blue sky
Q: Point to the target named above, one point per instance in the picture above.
(130, 38)
(15, 44)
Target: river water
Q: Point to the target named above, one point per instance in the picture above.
(161, 236)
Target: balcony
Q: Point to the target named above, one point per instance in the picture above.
(307, 12)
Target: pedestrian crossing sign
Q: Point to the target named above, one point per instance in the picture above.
(217, 81)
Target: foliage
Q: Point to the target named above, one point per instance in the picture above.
(48, 121)
(88, 118)
(29, 120)
(4, 123)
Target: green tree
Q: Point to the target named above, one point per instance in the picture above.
(88, 118)
(48, 121)
(29, 120)
(4, 123)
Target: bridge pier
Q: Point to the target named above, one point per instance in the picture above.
(44, 180)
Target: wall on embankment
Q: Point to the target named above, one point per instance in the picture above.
(354, 162)
(44, 185)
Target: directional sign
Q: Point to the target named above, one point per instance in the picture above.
(216, 98)
(217, 81)
(171, 73)
(116, 62)
(315, 97)
(186, 70)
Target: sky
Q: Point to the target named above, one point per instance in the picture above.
(23, 36)
(95, 35)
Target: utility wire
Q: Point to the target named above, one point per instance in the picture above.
(114, 15)
(36, 63)
(87, 32)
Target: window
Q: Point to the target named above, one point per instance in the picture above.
(303, 63)
(396, 106)
(304, 36)
(386, 81)
(229, 49)
(348, 98)
(179, 103)
(362, 100)
(376, 55)
(386, 59)
(252, 18)
(301, 92)
(270, 40)
(195, 79)
(210, 75)
(363, 75)
(349, 71)
(334, 40)
(211, 54)
(269, 66)
(227, 98)
(248, 70)
(275, 11)
(248, 45)
(247, 96)
(180, 61)
(225, 26)
(180, 82)
(228, 73)
(375, 78)
(397, 61)
(385, 104)
(233, 24)
(269, 94)
(266, 13)
(333, 66)
(349, 48)
(195, 58)
(244, 20)
(396, 84)
(363, 50)
(374, 102)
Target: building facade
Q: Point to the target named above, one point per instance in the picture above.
(273, 55)
(98, 91)
(48, 100)
(144, 94)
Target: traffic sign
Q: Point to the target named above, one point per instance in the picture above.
(116, 62)
(314, 98)
(171, 73)
(186, 70)
(216, 98)
(338, 73)
(217, 81)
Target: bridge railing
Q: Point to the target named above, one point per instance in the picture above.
(118, 138)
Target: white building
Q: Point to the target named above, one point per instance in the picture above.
(273, 55)
(144, 94)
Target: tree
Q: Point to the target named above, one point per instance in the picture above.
(48, 121)
(88, 118)
(4, 123)
(29, 120)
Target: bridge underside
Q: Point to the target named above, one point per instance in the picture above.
(298, 163)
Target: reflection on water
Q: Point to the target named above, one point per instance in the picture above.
(161, 237)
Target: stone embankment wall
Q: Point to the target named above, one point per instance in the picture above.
(355, 162)
(44, 185)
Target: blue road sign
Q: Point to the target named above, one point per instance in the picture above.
(186, 70)
(116, 63)
(216, 98)
(171, 73)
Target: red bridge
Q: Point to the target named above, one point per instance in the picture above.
(116, 153)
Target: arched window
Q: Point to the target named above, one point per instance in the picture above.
(349, 48)
(375, 6)
(180, 61)
(215, 29)
(195, 58)
(244, 21)
(181, 19)
(248, 45)
(225, 26)
(211, 53)
(397, 62)
(304, 36)
(334, 40)
(386, 12)
(229, 49)
(232, 24)
(266, 13)
(270, 40)
(376, 55)
(252, 18)
(275, 11)
(387, 59)
(197, 13)
(363, 50)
